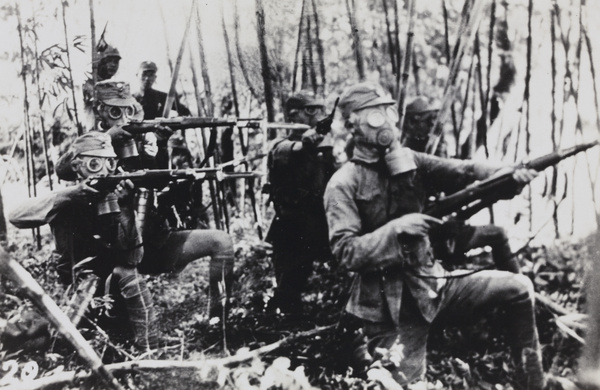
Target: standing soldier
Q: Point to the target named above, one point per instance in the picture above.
(154, 101)
(108, 58)
(299, 167)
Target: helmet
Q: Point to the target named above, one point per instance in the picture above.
(420, 105)
(108, 51)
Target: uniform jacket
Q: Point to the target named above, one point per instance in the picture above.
(299, 169)
(360, 201)
(153, 102)
(79, 233)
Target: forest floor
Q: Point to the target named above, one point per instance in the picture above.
(475, 357)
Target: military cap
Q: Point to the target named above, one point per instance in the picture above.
(302, 99)
(114, 93)
(419, 105)
(363, 95)
(148, 65)
(108, 51)
(94, 143)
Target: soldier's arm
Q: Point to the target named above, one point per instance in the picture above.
(38, 211)
(450, 175)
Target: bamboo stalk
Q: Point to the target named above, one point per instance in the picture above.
(482, 125)
(70, 69)
(238, 48)
(402, 86)
(57, 318)
(298, 45)
(216, 189)
(358, 56)
(93, 48)
(161, 13)
(388, 30)
(231, 69)
(446, 32)
(464, 104)
(310, 63)
(319, 44)
(397, 48)
(40, 107)
(526, 97)
(466, 35)
(30, 163)
(203, 66)
(554, 178)
(264, 62)
(488, 81)
(171, 95)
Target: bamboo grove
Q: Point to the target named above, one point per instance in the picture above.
(483, 60)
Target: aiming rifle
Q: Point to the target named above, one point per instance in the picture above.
(158, 178)
(195, 122)
(465, 203)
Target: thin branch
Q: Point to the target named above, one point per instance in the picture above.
(168, 365)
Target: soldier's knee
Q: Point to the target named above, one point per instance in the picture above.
(497, 234)
(222, 242)
(121, 272)
(520, 287)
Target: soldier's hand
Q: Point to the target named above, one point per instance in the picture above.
(150, 145)
(524, 175)
(124, 191)
(80, 193)
(119, 135)
(163, 133)
(311, 139)
(414, 224)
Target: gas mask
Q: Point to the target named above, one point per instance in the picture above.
(376, 137)
(375, 126)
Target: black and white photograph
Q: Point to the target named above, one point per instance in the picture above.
(300, 194)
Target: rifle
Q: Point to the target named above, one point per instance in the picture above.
(465, 203)
(158, 178)
(324, 125)
(193, 122)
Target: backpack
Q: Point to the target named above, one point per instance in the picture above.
(298, 175)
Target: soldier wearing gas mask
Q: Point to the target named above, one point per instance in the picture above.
(86, 225)
(377, 229)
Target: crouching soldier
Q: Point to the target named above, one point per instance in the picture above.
(82, 231)
(374, 206)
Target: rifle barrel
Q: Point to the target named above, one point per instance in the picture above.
(489, 191)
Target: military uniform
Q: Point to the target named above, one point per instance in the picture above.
(299, 168)
(372, 203)
(112, 240)
(153, 101)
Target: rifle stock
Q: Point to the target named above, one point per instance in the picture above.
(477, 196)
